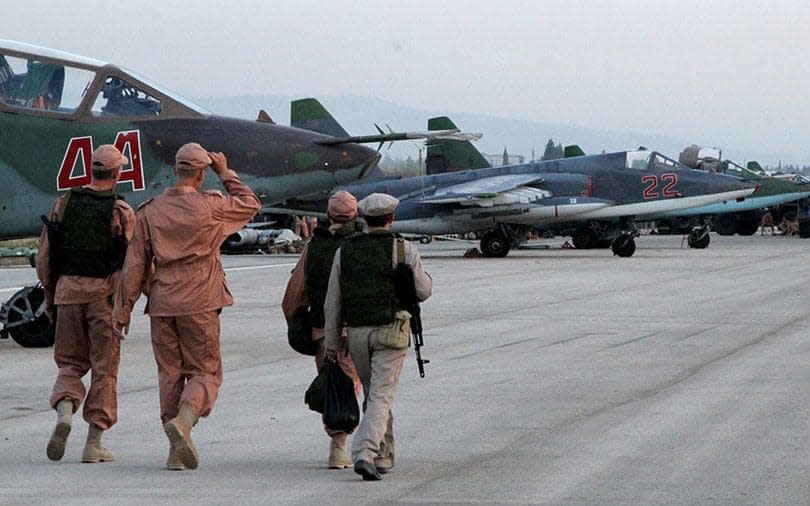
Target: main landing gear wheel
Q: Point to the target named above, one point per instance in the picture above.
(699, 238)
(583, 239)
(623, 246)
(25, 320)
(725, 224)
(494, 245)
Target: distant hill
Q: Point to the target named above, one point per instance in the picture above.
(359, 114)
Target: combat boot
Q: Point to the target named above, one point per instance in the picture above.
(173, 463)
(178, 430)
(338, 458)
(58, 441)
(93, 451)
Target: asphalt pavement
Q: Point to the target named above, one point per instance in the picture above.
(556, 376)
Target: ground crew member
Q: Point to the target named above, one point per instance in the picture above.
(174, 259)
(307, 289)
(79, 268)
(361, 296)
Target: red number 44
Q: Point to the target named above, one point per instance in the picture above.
(668, 180)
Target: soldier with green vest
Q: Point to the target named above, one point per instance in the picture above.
(306, 290)
(362, 297)
(81, 252)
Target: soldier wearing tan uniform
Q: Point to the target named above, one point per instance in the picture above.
(306, 289)
(362, 296)
(80, 273)
(174, 259)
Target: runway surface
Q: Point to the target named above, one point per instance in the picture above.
(557, 376)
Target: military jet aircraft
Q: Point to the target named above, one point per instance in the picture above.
(55, 107)
(607, 190)
(730, 217)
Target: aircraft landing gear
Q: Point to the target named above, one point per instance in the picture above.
(624, 245)
(699, 237)
(23, 318)
(494, 244)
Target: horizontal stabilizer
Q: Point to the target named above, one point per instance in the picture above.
(485, 188)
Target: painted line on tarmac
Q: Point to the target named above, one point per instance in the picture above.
(231, 269)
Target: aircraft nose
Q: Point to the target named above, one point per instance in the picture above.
(359, 155)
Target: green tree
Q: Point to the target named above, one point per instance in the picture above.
(553, 151)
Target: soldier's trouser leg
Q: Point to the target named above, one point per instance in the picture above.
(101, 404)
(187, 353)
(379, 368)
(71, 352)
(385, 455)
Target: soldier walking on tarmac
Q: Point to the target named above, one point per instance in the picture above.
(81, 251)
(174, 259)
(306, 289)
(362, 297)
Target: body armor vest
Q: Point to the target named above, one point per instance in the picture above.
(366, 279)
(87, 245)
(320, 254)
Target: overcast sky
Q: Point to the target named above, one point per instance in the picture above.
(727, 73)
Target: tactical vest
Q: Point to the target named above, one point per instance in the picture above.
(320, 253)
(366, 279)
(88, 247)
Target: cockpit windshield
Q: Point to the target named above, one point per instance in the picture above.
(174, 96)
(643, 159)
(735, 169)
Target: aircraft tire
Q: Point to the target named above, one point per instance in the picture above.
(725, 223)
(623, 246)
(699, 239)
(426, 239)
(582, 239)
(38, 333)
(494, 245)
(747, 224)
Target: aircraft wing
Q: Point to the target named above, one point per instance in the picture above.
(482, 191)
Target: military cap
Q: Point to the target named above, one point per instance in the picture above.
(342, 206)
(108, 157)
(378, 204)
(192, 155)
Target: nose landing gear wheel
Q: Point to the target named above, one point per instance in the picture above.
(623, 246)
(699, 238)
(24, 319)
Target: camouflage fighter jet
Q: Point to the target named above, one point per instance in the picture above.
(55, 107)
(601, 192)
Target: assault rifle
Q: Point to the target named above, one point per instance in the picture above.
(406, 293)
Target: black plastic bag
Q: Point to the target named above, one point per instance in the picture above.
(314, 395)
(340, 409)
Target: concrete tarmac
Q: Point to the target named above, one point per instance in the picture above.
(556, 376)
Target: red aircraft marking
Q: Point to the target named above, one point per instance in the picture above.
(128, 142)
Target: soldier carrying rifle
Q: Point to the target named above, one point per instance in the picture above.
(363, 296)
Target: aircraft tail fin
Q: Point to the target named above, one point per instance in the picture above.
(755, 166)
(310, 114)
(573, 151)
(449, 155)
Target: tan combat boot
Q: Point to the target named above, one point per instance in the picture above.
(338, 458)
(64, 415)
(178, 430)
(93, 451)
(173, 463)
